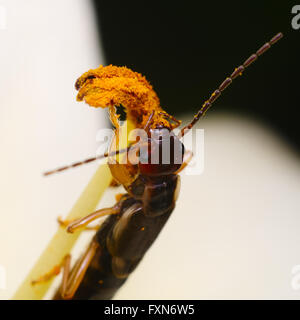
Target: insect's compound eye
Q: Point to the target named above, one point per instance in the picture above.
(162, 156)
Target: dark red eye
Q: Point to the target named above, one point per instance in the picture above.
(164, 156)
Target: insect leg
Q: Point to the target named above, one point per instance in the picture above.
(119, 196)
(114, 183)
(47, 276)
(65, 223)
(148, 123)
(188, 155)
(66, 262)
(114, 118)
(82, 222)
(168, 116)
(71, 280)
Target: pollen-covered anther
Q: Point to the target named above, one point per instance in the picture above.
(112, 86)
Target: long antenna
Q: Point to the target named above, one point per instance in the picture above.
(237, 72)
(76, 164)
(113, 153)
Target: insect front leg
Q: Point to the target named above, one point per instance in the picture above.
(83, 222)
(114, 183)
(188, 155)
(168, 116)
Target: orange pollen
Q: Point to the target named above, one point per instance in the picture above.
(112, 86)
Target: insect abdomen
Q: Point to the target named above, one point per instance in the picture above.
(124, 239)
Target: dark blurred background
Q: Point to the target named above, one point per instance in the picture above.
(186, 49)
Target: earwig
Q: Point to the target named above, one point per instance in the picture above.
(135, 221)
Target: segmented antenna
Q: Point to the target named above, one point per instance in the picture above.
(76, 164)
(237, 72)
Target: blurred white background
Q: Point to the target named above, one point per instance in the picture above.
(45, 47)
(235, 231)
